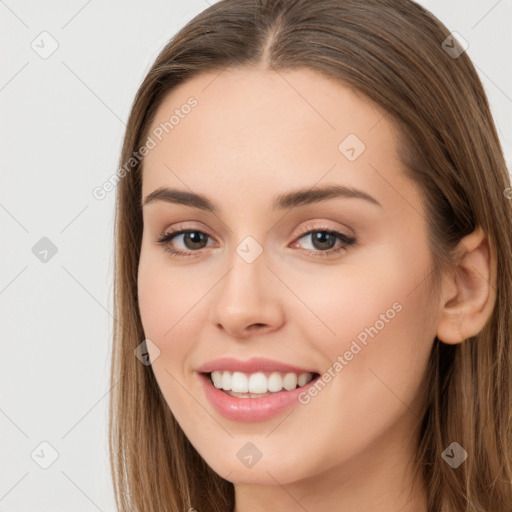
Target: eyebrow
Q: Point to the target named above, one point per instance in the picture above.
(283, 201)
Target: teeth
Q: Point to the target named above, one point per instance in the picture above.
(290, 381)
(258, 383)
(225, 379)
(304, 378)
(239, 382)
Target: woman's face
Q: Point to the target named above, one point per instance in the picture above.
(330, 284)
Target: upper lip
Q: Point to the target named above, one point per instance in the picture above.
(253, 365)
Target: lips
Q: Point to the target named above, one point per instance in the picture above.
(250, 409)
(253, 365)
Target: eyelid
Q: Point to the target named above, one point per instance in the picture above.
(186, 225)
(306, 228)
(311, 226)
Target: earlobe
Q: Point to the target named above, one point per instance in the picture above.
(468, 293)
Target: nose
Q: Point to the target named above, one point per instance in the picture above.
(248, 299)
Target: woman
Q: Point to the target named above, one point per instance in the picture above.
(313, 285)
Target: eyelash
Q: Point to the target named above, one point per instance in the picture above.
(166, 238)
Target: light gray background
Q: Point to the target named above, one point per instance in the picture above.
(62, 123)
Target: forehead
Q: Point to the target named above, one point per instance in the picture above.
(267, 103)
(253, 130)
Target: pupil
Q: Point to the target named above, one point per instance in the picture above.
(322, 237)
(195, 237)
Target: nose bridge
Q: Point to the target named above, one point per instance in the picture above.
(242, 285)
(246, 295)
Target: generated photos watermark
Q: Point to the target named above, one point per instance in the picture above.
(100, 192)
(360, 342)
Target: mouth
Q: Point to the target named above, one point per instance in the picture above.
(257, 396)
(259, 384)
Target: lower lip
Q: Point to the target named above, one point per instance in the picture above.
(250, 409)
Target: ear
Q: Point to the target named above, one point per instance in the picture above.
(468, 292)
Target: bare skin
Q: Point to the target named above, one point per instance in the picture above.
(255, 134)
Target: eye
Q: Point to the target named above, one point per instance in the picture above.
(192, 238)
(323, 241)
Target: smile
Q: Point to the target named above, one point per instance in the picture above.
(248, 406)
(259, 384)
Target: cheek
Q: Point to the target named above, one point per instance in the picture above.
(162, 301)
(164, 295)
(155, 304)
(380, 374)
(166, 303)
(375, 317)
(338, 303)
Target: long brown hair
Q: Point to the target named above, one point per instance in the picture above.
(393, 52)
